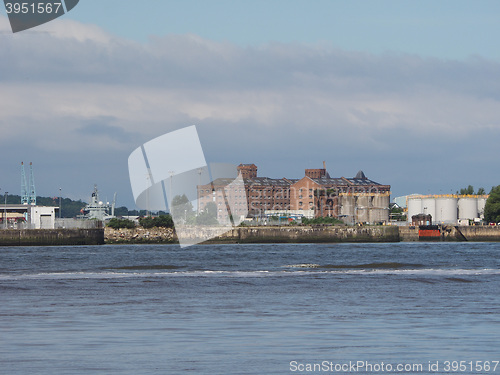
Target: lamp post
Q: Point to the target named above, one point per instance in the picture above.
(5, 210)
(60, 202)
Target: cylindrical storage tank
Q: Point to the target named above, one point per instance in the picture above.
(481, 202)
(446, 210)
(363, 208)
(414, 207)
(467, 208)
(429, 207)
(380, 210)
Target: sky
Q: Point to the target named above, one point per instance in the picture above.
(407, 91)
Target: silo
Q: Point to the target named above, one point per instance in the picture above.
(467, 208)
(446, 210)
(380, 210)
(429, 207)
(414, 207)
(481, 202)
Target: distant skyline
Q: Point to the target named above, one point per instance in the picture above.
(406, 91)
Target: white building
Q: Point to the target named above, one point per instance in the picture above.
(23, 215)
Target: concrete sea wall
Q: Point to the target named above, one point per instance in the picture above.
(408, 234)
(50, 237)
(284, 234)
(473, 233)
(454, 233)
(309, 234)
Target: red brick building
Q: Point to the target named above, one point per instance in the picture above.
(316, 192)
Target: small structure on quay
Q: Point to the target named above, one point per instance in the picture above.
(421, 219)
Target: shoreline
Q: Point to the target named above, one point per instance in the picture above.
(248, 235)
(310, 234)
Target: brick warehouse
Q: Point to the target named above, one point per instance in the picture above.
(353, 200)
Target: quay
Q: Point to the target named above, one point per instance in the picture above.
(261, 234)
(314, 234)
(51, 237)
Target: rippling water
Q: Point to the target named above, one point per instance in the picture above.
(249, 309)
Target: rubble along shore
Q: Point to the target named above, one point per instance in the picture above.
(139, 235)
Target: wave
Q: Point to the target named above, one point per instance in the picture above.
(146, 267)
(454, 275)
(382, 265)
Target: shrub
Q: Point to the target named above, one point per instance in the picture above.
(164, 221)
(116, 223)
(321, 220)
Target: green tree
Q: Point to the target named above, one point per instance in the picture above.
(146, 222)
(209, 215)
(492, 207)
(321, 220)
(397, 213)
(182, 208)
(164, 221)
(116, 223)
(481, 191)
(469, 190)
(121, 211)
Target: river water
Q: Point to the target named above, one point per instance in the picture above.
(250, 309)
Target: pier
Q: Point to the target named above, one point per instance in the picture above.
(51, 237)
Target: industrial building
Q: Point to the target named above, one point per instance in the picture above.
(354, 200)
(448, 209)
(27, 214)
(21, 216)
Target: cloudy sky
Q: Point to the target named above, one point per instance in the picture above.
(407, 91)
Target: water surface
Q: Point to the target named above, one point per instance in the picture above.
(247, 309)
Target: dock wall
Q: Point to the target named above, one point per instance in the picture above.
(284, 234)
(408, 234)
(309, 234)
(474, 233)
(50, 237)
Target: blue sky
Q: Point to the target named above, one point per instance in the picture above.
(408, 91)
(445, 29)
